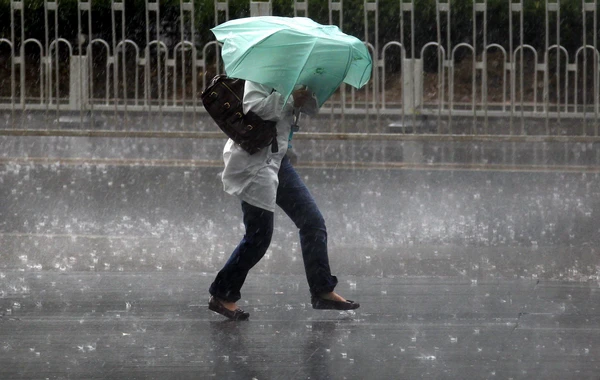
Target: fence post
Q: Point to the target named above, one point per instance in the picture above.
(480, 8)
(261, 8)
(301, 6)
(221, 6)
(372, 6)
(20, 59)
(79, 82)
(445, 62)
(592, 7)
(412, 84)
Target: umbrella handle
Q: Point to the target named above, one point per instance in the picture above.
(295, 126)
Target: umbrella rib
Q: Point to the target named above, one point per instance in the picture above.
(345, 72)
(348, 64)
(314, 42)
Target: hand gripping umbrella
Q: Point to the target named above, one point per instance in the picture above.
(282, 52)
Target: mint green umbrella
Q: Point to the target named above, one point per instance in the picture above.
(282, 52)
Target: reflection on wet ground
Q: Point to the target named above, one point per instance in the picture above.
(157, 326)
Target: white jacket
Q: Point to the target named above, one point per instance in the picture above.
(253, 178)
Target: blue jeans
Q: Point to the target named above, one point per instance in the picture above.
(296, 201)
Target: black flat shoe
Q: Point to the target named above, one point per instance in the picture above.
(323, 304)
(236, 315)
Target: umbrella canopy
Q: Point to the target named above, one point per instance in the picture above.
(282, 52)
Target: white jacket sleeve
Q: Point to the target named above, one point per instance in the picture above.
(265, 102)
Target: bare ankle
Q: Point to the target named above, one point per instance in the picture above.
(228, 304)
(332, 296)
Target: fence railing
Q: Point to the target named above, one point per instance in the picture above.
(441, 80)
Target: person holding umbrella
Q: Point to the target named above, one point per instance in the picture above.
(267, 178)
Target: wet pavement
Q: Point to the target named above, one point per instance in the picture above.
(107, 249)
(110, 214)
(157, 326)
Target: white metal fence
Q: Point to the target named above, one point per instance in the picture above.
(482, 79)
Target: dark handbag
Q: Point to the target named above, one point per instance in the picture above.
(223, 101)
